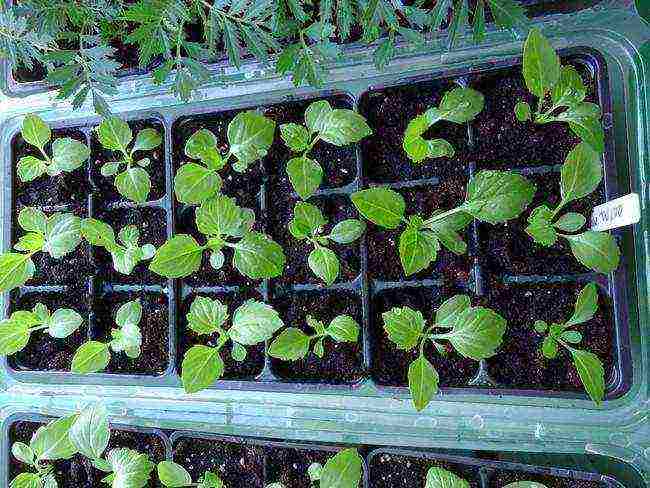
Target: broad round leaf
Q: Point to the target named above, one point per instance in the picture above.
(206, 315)
(305, 175)
(292, 344)
(98, 233)
(63, 322)
(130, 468)
(570, 222)
(14, 336)
(35, 131)
(343, 328)
(147, 139)
(441, 478)
(110, 169)
(381, 206)
(114, 133)
(180, 256)
(29, 168)
(51, 442)
(317, 114)
(417, 250)
(203, 145)
(69, 154)
(347, 231)
(342, 471)
(90, 432)
(134, 184)
(201, 367)
(62, 235)
(173, 475)
(257, 256)
(22, 452)
(91, 357)
(522, 111)
(343, 126)
(250, 135)
(128, 339)
(497, 196)
(451, 309)
(307, 220)
(194, 183)
(30, 242)
(477, 333)
(26, 480)
(254, 322)
(221, 216)
(403, 326)
(461, 105)
(581, 173)
(423, 382)
(295, 136)
(15, 270)
(32, 219)
(596, 250)
(325, 264)
(129, 313)
(541, 65)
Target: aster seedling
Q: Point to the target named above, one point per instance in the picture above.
(94, 356)
(307, 224)
(343, 470)
(56, 235)
(441, 478)
(67, 153)
(587, 364)
(16, 331)
(250, 136)
(252, 323)
(293, 344)
(459, 105)
(173, 475)
(131, 178)
(492, 196)
(580, 175)
(339, 127)
(225, 225)
(560, 93)
(126, 251)
(473, 332)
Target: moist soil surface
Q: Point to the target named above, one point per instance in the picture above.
(78, 472)
(501, 478)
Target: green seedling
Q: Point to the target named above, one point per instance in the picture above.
(174, 475)
(343, 470)
(441, 478)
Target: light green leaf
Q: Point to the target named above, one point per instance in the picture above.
(134, 184)
(317, 114)
(539, 226)
(90, 433)
(217, 259)
(342, 471)
(206, 315)
(250, 135)
(173, 475)
(423, 382)
(62, 234)
(325, 264)
(26, 480)
(130, 468)
(584, 121)
(460, 105)
(221, 216)
(35, 131)
(211, 480)
(549, 347)
(98, 233)
(129, 313)
(32, 219)
(128, 339)
(417, 250)
(238, 352)
(570, 89)
(124, 260)
(257, 256)
(30, 242)
(14, 336)
(23, 453)
(525, 484)
(91, 357)
(314, 471)
(307, 220)
(63, 322)
(305, 175)
(347, 231)
(540, 326)
(129, 235)
(51, 442)
(570, 222)
(595, 250)
(343, 126)
(146, 140)
(194, 183)
(203, 145)
(522, 111)
(254, 322)
(581, 173)
(404, 326)
(201, 367)
(541, 64)
(68, 154)
(571, 336)
(586, 305)
(114, 134)
(417, 148)
(497, 196)
(15, 270)
(295, 136)
(343, 328)
(110, 169)
(591, 372)
(292, 344)
(29, 168)
(381, 206)
(180, 256)
(477, 333)
(451, 309)
(441, 478)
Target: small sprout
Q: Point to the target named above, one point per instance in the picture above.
(293, 344)
(220, 219)
(339, 127)
(558, 88)
(343, 470)
(131, 179)
(474, 332)
(174, 475)
(126, 251)
(492, 196)
(67, 154)
(17, 329)
(589, 366)
(252, 323)
(459, 105)
(250, 136)
(307, 224)
(580, 175)
(94, 356)
(57, 235)
(441, 478)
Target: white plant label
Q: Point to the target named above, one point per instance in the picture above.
(620, 212)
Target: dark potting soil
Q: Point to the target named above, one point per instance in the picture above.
(154, 326)
(506, 248)
(44, 352)
(335, 209)
(383, 245)
(389, 364)
(289, 466)
(237, 464)
(388, 470)
(64, 189)
(248, 369)
(78, 471)
(156, 169)
(342, 362)
(501, 478)
(152, 224)
(388, 111)
(519, 362)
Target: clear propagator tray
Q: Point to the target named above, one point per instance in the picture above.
(364, 413)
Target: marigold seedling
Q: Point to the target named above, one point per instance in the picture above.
(126, 251)
(56, 235)
(587, 364)
(492, 196)
(94, 356)
(308, 223)
(67, 154)
(16, 331)
(174, 475)
(560, 93)
(459, 105)
(293, 344)
(250, 136)
(339, 127)
(580, 175)
(221, 220)
(131, 178)
(252, 323)
(473, 332)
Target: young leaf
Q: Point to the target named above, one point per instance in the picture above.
(15, 270)
(90, 433)
(257, 256)
(134, 183)
(305, 175)
(347, 231)
(541, 64)
(130, 469)
(206, 315)
(67, 155)
(451, 310)
(63, 322)
(423, 382)
(497, 196)
(201, 367)
(343, 470)
(570, 89)
(523, 111)
(417, 250)
(307, 220)
(203, 145)
(295, 136)
(381, 206)
(91, 357)
(23, 452)
(441, 478)
(591, 372)
(254, 322)
(586, 305)
(292, 344)
(14, 335)
(540, 227)
(459, 105)
(194, 183)
(325, 264)
(180, 256)
(343, 328)
(250, 136)
(221, 216)
(146, 140)
(595, 250)
(51, 442)
(570, 222)
(477, 333)
(114, 134)
(404, 326)
(342, 127)
(173, 475)
(29, 168)
(584, 121)
(581, 173)
(35, 131)
(26, 480)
